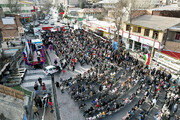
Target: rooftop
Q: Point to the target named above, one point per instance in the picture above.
(155, 22)
(107, 1)
(171, 7)
(91, 10)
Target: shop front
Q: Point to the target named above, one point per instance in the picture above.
(136, 42)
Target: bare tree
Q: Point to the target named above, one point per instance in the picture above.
(14, 6)
(135, 5)
(118, 13)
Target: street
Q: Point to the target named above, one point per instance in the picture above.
(69, 108)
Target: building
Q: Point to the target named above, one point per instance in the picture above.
(147, 28)
(86, 12)
(11, 28)
(19, 6)
(12, 102)
(1, 13)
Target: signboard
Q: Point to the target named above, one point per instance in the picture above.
(149, 42)
(8, 20)
(146, 46)
(103, 29)
(26, 15)
(166, 60)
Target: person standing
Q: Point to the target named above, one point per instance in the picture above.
(35, 111)
(40, 81)
(35, 86)
(7, 43)
(175, 108)
(43, 86)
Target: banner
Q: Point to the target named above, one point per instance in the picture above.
(166, 60)
(115, 45)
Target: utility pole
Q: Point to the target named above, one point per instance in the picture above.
(152, 50)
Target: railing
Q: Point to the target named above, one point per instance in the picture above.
(12, 92)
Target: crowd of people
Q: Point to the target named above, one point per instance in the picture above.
(113, 73)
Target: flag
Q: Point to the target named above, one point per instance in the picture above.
(147, 59)
(115, 45)
(61, 13)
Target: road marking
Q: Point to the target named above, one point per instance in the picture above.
(31, 84)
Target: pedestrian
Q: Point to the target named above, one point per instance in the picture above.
(35, 111)
(57, 84)
(62, 88)
(50, 47)
(55, 62)
(43, 86)
(40, 81)
(175, 108)
(35, 86)
(7, 43)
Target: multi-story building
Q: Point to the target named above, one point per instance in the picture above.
(11, 28)
(86, 12)
(148, 28)
(19, 7)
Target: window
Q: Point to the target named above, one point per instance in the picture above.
(155, 34)
(146, 32)
(128, 27)
(139, 29)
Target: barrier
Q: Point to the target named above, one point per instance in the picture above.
(12, 92)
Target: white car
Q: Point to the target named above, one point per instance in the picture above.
(49, 70)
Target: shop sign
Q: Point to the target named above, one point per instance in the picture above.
(166, 60)
(146, 46)
(132, 37)
(103, 29)
(26, 15)
(106, 34)
(149, 42)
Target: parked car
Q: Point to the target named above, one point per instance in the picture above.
(42, 22)
(49, 70)
(52, 23)
(58, 20)
(46, 22)
(26, 30)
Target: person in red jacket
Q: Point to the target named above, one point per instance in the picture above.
(43, 86)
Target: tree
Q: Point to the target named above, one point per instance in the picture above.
(14, 6)
(134, 5)
(118, 13)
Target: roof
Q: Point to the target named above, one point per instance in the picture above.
(155, 22)
(91, 10)
(171, 7)
(107, 1)
(10, 30)
(10, 33)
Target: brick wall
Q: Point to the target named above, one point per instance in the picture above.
(167, 13)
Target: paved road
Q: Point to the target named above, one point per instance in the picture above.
(32, 76)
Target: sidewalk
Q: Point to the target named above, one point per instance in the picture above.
(48, 115)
